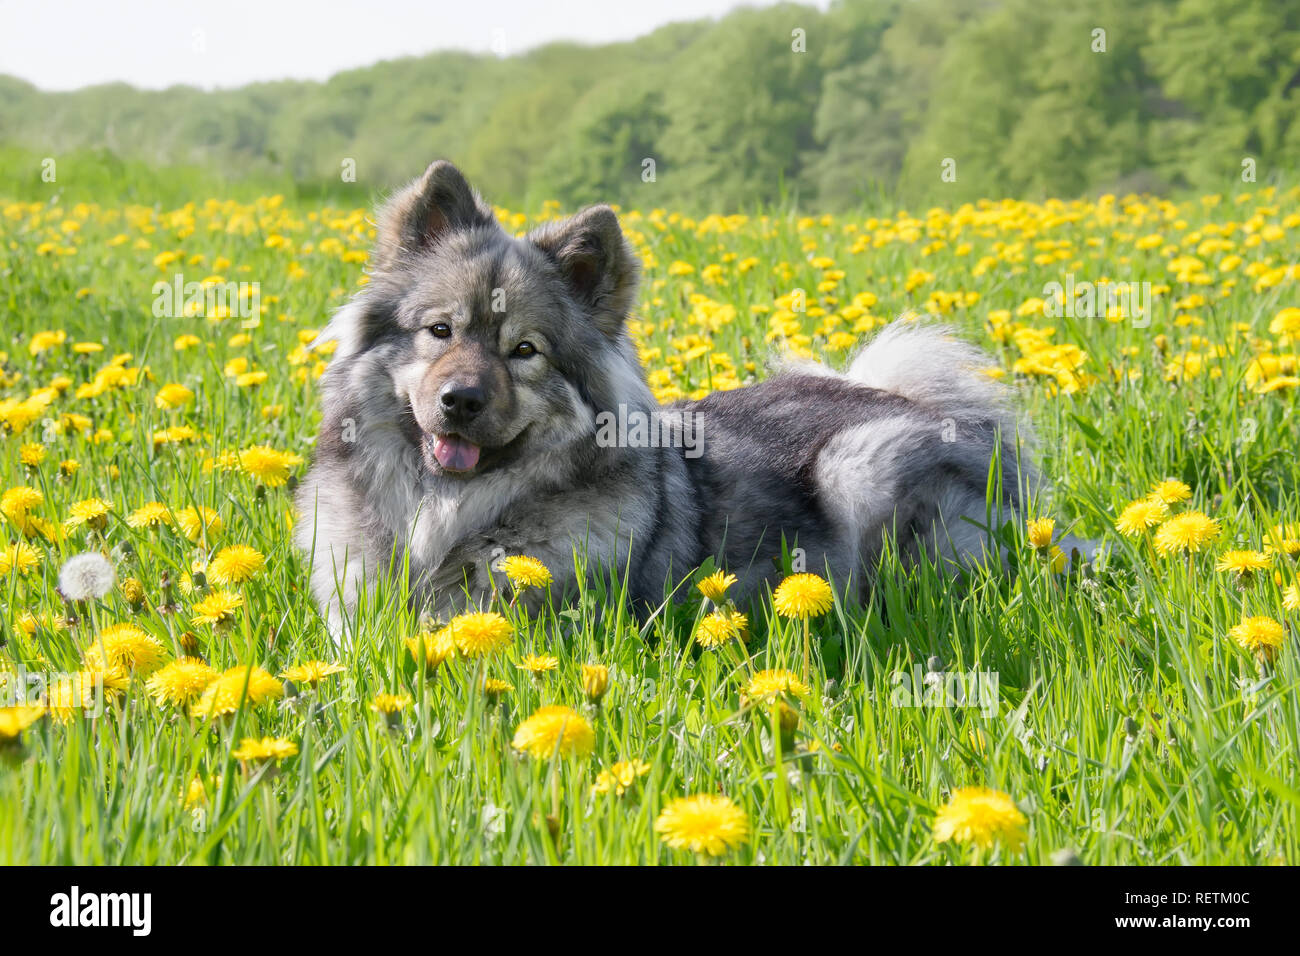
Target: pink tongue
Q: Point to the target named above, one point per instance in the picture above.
(455, 453)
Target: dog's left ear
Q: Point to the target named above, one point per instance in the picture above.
(598, 262)
(420, 216)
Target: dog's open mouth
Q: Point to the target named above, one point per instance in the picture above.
(454, 453)
(458, 456)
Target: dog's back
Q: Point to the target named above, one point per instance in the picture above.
(901, 444)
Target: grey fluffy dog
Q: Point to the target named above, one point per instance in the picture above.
(485, 399)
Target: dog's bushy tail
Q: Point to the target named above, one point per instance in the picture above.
(931, 365)
(928, 364)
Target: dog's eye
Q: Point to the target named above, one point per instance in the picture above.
(440, 330)
(524, 349)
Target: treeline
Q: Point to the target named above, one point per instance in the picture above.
(941, 100)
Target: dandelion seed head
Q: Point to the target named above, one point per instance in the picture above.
(85, 577)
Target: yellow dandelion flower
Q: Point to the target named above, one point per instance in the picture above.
(83, 692)
(719, 627)
(1171, 491)
(438, 647)
(390, 704)
(29, 623)
(173, 396)
(1040, 532)
(91, 511)
(595, 681)
(1189, 533)
(707, 823)
(311, 672)
(1288, 546)
(267, 465)
(620, 778)
(127, 646)
(1261, 636)
(17, 503)
(1291, 598)
(237, 686)
(17, 718)
(525, 572)
(252, 750)
(1284, 539)
(219, 607)
(181, 682)
(43, 341)
(150, 515)
(194, 794)
(175, 435)
(115, 677)
(1277, 383)
(552, 730)
(802, 595)
(198, 523)
(1243, 563)
(32, 454)
(1286, 322)
(770, 685)
(538, 664)
(1138, 516)
(715, 586)
(981, 816)
(72, 422)
(20, 558)
(494, 688)
(39, 527)
(480, 633)
(235, 564)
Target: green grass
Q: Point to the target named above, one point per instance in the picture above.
(1128, 727)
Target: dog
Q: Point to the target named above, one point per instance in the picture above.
(478, 403)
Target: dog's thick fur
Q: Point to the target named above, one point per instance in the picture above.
(429, 376)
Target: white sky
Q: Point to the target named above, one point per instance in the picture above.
(66, 44)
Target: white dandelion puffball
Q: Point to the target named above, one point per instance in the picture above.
(86, 576)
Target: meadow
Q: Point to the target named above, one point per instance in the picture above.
(193, 709)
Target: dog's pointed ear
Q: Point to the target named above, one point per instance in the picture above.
(419, 216)
(598, 262)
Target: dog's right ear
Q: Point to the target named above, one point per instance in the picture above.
(425, 212)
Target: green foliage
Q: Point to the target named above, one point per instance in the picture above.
(833, 107)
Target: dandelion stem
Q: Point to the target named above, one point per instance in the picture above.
(807, 649)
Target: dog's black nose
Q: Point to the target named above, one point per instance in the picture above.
(462, 402)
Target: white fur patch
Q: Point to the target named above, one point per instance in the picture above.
(344, 327)
(928, 364)
(857, 482)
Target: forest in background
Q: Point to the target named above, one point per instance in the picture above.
(921, 100)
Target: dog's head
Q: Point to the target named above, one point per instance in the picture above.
(500, 347)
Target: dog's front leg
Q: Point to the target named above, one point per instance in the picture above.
(470, 576)
(464, 579)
